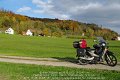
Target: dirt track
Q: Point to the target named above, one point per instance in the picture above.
(55, 62)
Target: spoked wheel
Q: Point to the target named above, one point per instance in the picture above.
(82, 62)
(111, 60)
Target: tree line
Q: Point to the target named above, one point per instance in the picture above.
(51, 27)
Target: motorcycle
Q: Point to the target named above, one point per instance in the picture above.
(100, 53)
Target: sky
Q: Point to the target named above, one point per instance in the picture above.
(101, 12)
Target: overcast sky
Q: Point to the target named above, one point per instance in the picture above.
(101, 12)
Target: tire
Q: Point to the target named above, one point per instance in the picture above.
(82, 62)
(111, 60)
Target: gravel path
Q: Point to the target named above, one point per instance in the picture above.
(55, 62)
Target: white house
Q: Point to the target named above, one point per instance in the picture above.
(29, 33)
(118, 38)
(9, 31)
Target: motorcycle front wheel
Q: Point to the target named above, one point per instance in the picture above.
(111, 60)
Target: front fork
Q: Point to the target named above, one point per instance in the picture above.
(105, 52)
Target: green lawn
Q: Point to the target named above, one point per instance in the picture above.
(10, 71)
(17, 45)
(36, 46)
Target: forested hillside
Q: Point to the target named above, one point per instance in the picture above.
(51, 27)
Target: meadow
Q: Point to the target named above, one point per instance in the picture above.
(17, 45)
(34, 46)
(9, 71)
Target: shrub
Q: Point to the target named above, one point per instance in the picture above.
(77, 37)
(57, 34)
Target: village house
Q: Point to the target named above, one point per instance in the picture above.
(29, 33)
(9, 31)
(118, 38)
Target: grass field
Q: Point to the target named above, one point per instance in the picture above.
(17, 45)
(35, 46)
(33, 72)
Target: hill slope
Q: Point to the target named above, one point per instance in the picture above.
(51, 27)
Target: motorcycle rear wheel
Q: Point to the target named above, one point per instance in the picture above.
(82, 61)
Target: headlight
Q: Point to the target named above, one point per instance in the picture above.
(103, 44)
